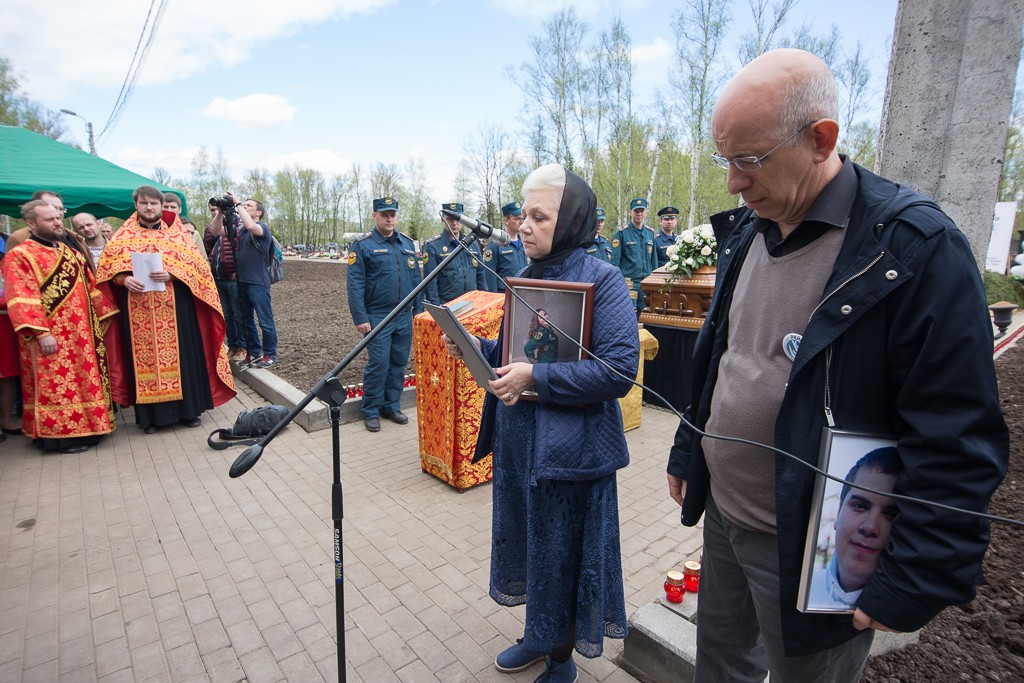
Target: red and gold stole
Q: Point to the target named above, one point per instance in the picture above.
(152, 317)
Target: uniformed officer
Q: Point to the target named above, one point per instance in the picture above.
(462, 275)
(633, 250)
(542, 346)
(507, 260)
(666, 237)
(601, 248)
(382, 270)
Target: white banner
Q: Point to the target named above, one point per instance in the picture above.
(1002, 233)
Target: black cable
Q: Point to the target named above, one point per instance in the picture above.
(135, 67)
(736, 439)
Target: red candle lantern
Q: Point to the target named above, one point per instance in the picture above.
(691, 575)
(674, 586)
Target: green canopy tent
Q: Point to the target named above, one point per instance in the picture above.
(30, 162)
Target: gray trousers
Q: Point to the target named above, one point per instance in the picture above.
(739, 627)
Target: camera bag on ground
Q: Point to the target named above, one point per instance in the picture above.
(249, 426)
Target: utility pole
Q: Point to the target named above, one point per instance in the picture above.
(88, 128)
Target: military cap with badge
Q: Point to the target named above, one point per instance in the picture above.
(512, 209)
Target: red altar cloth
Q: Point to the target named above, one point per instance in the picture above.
(448, 401)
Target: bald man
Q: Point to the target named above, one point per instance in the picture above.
(88, 228)
(842, 299)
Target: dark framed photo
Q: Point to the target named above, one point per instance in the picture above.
(848, 528)
(553, 327)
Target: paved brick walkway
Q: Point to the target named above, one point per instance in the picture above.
(141, 560)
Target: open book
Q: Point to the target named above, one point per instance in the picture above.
(478, 366)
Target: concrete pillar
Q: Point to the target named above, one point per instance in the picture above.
(947, 105)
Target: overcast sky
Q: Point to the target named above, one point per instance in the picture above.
(329, 83)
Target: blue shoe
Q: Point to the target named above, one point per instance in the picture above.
(517, 658)
(558, 672)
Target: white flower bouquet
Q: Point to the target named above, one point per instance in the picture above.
(695, 247)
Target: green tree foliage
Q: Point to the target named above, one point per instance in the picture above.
(17, 109)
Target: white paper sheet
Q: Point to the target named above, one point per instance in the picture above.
(144, 264)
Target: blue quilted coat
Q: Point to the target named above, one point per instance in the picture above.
(579, 424)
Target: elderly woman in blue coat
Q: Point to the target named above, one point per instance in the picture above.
(555, 528)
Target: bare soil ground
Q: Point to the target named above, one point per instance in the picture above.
(314, 324)
(982, 641)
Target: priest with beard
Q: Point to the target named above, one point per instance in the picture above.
(167, 353)
(59, 317)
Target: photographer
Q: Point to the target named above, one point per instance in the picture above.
(251, 238)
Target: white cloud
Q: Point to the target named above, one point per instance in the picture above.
(542, 8)
(323, 160)
(258, 109)
(60, 45)
(177, 161)
(653, 60)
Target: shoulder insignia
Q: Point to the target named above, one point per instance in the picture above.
(488, 255)
(352, 258)
(412, 263)
(538, 335)
(615, 244)
(425, 259)
(364, 236)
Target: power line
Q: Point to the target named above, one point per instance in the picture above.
(135, 67)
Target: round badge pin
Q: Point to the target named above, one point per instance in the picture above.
(791, 344)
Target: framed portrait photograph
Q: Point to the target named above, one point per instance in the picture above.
(848, 528)
(555, 328)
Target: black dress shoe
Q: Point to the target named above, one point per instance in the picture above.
(398, 418)
(194, 422)
(372, 424)
(150, 429)
(78, 448)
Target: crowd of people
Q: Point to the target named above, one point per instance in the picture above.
(842, 301)
(94, 319)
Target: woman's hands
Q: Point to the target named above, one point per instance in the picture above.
(513, 380)
(453, 350)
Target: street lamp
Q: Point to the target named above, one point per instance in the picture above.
(88, 127)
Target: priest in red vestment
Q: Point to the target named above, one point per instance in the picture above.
(167, 352)
(60, 317)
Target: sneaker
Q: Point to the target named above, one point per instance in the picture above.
(517, 658)
(558, 672)
(251, 360)
(264, 362)
(399, 418)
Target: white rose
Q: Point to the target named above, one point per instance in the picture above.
(687, 236)
(672, 250)
(706, 232)
(706, 251)
(690, 262)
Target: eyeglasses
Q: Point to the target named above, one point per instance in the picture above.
(752, 163)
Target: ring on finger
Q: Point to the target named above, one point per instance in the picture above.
(509, 396)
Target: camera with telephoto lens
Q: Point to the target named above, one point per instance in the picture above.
(229, 215)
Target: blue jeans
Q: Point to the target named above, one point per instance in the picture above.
(385, 368)
(255, 299)
(228, 290)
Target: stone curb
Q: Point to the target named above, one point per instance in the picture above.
(316, 415)
(662, 643)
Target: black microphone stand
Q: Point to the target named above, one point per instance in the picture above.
(330, 391)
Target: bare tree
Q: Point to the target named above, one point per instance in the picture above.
(616, 53)
(769, 16)
(854, 77)
(385, 180)
(697, 77)
(257, 183)
(557, 81)
(162, 175)
(488, 158)
(825, 46)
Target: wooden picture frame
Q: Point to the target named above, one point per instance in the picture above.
(569, 306)
(832, 541)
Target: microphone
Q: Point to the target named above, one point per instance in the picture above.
(480, 228)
